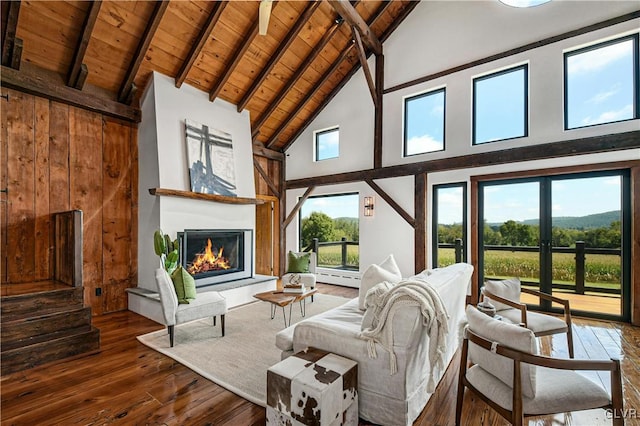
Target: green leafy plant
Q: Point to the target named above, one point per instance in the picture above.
(166, 249)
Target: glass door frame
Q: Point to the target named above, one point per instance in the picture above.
(545, 231)
(434, 220)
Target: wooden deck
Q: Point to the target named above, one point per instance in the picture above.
(129, 383)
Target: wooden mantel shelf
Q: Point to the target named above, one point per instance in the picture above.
(206, 197)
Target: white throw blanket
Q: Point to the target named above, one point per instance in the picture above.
(408, 293)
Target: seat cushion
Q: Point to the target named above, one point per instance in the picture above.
(540, 324)
(207, 304)
(557, 391)
(507, 289)
(375, 274)
(505, 334)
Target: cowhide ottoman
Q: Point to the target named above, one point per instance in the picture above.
(313, 387)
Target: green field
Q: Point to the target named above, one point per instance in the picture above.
(331, 256)
(600, 270)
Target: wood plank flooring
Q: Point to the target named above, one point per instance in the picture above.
(128, 383)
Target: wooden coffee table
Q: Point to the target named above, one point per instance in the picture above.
(281, 299)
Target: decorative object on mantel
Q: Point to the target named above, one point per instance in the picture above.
(167, 250)
(210, 160)
(205, 197)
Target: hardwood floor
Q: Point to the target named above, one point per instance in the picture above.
(128, 383)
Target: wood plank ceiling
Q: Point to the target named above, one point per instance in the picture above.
(284, 78)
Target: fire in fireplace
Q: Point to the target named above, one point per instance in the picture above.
(213, 256)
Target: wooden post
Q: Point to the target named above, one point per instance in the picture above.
(580, 258)
(344, 251)
(314, 246)
(458, 249)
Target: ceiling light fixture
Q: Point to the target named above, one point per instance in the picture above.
(524, 3)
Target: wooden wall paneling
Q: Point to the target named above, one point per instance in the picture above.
(635, 245)
(85, 151)
(265, 235)
(43, 221)
(4, 145)
(261, 184)
(116, 215)
(21, 187)
(59, 170)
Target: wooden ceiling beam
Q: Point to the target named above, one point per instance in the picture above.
(143, 46)
(298, 206)
(237, 56)
(351, 15)
(397, 207)
(198, 44)
(10, 9)
(282, 48)
(564, 148)
(328, 73)
(298, 74)
(83, 43)
(362, 57)
(262, 151)
(405, 12)
(52, 86)
(266, 178)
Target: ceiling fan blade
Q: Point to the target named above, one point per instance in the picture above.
(264, 15)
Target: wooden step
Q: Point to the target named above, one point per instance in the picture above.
(28, 305)
(51, 347)
(24, 331)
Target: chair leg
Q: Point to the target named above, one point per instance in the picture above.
(222, 324)
(462, 372)
(171, 330)
(570, 341)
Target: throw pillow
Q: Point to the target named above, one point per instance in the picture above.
(185, 285)
(507, 289)
(298, 263)
(505, 334)
(386, 271)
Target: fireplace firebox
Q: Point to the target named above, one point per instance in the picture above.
(215, 256)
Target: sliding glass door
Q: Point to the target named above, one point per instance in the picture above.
(566, 235)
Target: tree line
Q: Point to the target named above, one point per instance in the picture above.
(512, 233)
(319, 225)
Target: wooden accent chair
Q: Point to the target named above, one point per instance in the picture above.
(512, 379)
(505, 295)
(206, 304)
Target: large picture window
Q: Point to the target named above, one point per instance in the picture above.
(601, 83)
(327, 144)
(424, 123)
(500, 105)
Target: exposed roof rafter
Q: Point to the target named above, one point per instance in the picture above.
(237, 56)
(74, 77)
(9, 31)
(143, 46)
(199, 43)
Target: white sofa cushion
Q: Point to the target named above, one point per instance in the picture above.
(509, 335)
(386, 271)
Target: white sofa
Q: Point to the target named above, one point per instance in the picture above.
(383, 398)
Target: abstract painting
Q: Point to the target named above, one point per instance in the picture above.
(210, 160)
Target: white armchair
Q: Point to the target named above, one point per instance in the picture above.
(206, 304)
(306, 278)
(512, 379)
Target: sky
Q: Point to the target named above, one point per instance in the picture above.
(335, 206)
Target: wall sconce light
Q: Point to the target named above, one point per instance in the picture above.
(368, 206)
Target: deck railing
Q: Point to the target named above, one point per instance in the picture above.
(580, 250)
(335, 258)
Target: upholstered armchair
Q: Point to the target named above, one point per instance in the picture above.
(505, 296)
(206, 304)
(292, 276)
(512, 379)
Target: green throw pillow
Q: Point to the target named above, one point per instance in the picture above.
(298, 263)
(185, 285)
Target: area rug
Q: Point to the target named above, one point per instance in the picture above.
(239, 360)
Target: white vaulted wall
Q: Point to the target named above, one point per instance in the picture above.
(436, 36)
